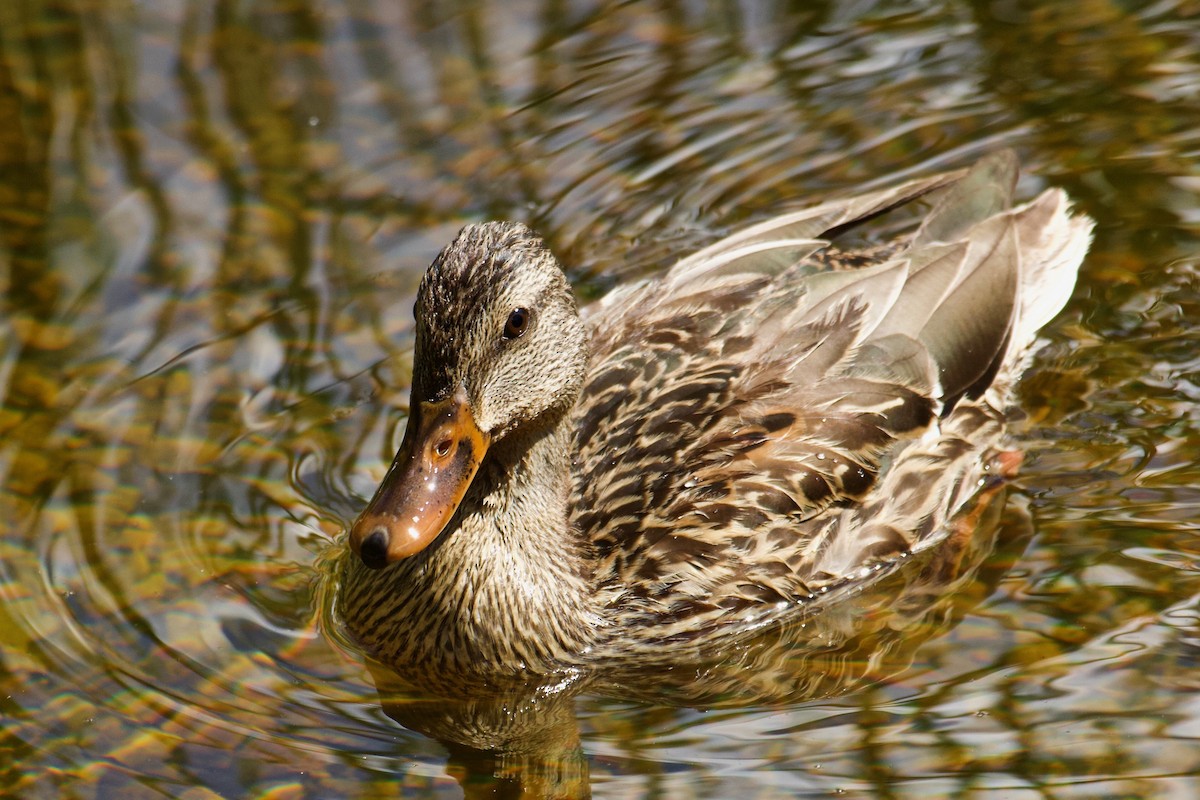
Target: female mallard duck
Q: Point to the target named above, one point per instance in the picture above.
(771, 418)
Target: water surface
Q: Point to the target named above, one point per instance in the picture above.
(212, 220)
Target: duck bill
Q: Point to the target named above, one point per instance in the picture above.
(440, 454)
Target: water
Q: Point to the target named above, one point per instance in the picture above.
(212, 220)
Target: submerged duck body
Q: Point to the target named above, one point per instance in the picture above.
(771, 418)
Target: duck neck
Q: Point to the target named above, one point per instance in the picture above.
(507, 587)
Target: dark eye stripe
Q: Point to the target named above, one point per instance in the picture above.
(517, 324)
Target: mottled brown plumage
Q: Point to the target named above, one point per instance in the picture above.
(703, 452)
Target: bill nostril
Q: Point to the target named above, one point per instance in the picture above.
(373, 550)
(442, 448)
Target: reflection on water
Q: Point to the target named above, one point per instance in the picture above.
(212, 220)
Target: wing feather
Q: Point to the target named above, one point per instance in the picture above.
(745, 398)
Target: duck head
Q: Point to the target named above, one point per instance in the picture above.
(500, 349)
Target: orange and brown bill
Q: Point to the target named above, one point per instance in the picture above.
(437, 460)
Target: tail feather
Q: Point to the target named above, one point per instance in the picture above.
(984, 192)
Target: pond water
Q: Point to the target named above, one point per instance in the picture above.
(212, 220)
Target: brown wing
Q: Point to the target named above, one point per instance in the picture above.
(737, 407)
(704, 446)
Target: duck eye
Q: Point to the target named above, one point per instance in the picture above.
(518, 322)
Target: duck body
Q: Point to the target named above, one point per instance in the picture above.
(701, 453)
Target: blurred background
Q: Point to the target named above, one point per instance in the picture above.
(213, 216)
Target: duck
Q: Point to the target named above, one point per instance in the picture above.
(791, 409)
